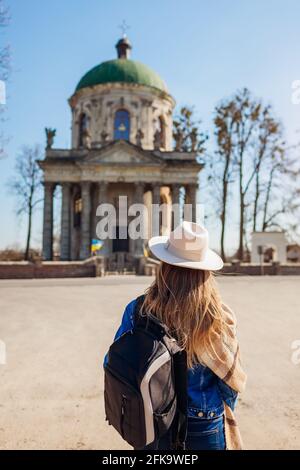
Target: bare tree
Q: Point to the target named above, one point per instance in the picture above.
(249, 145)
(252, 157)
(269, 157)
(223, 168)
(247, 114)
(187, 134)
(236, 122)
(26, 186)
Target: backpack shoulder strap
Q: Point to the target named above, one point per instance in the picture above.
(137, 308)
(179, 427)
(148, 322)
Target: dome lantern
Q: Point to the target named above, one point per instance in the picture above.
(123, 47)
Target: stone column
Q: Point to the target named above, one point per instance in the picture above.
(48, 221)
(139, 199)
(85, 220)
(176, 212)
(102, 199)
(155, 216)
(65, 242)
(102, 192)
(191, 198)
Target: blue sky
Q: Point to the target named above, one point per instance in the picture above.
(203, 49)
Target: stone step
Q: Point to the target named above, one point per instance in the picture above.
(113, 273)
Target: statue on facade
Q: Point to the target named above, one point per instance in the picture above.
(139, 137)
(86, 139)
(179, 138)
(104, 136)
(194, 139)
(50, 134)
(157, 139)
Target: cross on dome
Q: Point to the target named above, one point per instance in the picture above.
(124, 27)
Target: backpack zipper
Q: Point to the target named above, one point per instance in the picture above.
(123, 407)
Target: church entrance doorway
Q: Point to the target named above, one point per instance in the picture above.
(121, 244)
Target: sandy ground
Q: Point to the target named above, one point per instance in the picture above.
(57, 332)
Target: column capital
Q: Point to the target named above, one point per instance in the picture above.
(102, 191)
(192, 186)
(175, 188)
(139, 186)
(139, 191)
(85, 184)
(66, 189)
(101, 184)
(156, 193)
(49, 184)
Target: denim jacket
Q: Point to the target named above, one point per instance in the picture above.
(206, 392)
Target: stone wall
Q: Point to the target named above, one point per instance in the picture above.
(52, 269)
(94, 267)
(244, 269)
(269, 269)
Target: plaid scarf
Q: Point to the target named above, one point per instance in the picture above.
(228, 368)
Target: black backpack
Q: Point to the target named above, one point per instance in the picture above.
(145, 389)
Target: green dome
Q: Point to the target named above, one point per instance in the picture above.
(124, 71)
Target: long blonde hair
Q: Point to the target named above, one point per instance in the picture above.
(187, 301)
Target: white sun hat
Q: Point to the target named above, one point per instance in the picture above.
(186, 247)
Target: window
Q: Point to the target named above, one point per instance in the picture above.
(122, 125)
(83, 125)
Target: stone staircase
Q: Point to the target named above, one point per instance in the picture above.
(121, 263)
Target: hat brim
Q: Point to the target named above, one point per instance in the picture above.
(158, 246)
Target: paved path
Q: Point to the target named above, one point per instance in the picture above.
(57, 331)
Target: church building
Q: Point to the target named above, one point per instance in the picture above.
(122, 145)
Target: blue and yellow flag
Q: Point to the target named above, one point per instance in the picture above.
(96, 245)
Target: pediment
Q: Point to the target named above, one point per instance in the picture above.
(122, 153)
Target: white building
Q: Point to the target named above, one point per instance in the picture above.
(261, 241)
